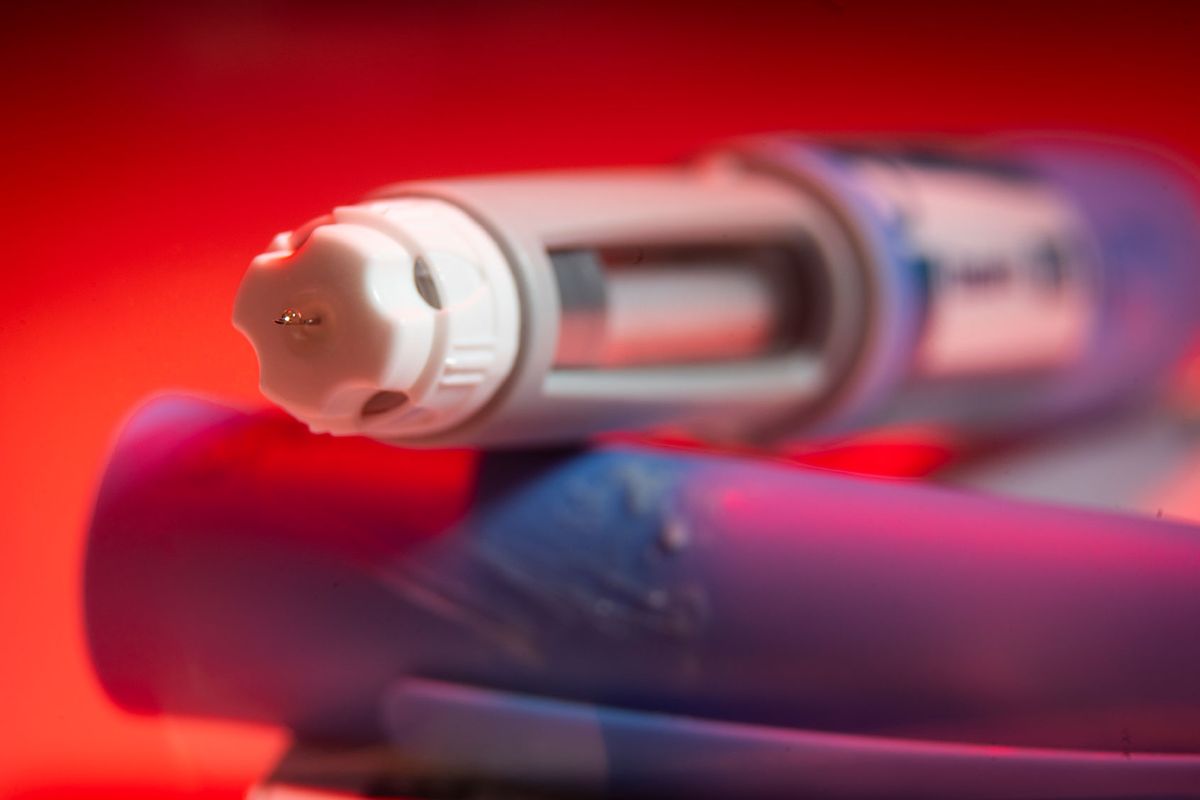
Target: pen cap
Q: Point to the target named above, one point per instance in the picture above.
(383, 318)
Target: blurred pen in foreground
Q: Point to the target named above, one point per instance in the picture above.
(629, 621)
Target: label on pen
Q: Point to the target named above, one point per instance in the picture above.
(1011, 286)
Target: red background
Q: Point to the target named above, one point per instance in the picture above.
(150, 152)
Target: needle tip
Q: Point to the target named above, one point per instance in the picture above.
(291, 316)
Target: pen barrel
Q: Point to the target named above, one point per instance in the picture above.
(698, 295)
(239, 567)
(994, 288)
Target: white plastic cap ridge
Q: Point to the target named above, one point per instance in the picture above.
(391, 318)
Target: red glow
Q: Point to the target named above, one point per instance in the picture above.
(901, 452)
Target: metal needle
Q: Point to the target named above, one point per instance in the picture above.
(291, 316)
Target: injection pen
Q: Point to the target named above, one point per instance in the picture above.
(629, 622)
(777, 287)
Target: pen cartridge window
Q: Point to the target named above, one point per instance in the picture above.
(685, 304)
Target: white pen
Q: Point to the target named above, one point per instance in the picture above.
(773, 288)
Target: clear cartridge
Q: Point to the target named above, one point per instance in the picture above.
(777, 287)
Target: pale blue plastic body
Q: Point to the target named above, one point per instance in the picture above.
(1140, 217)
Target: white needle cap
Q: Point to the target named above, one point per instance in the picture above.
(391, 318)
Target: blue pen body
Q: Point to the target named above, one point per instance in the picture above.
(1010, 283)
(240, 567)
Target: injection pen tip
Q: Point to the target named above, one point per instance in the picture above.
(291, 316)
